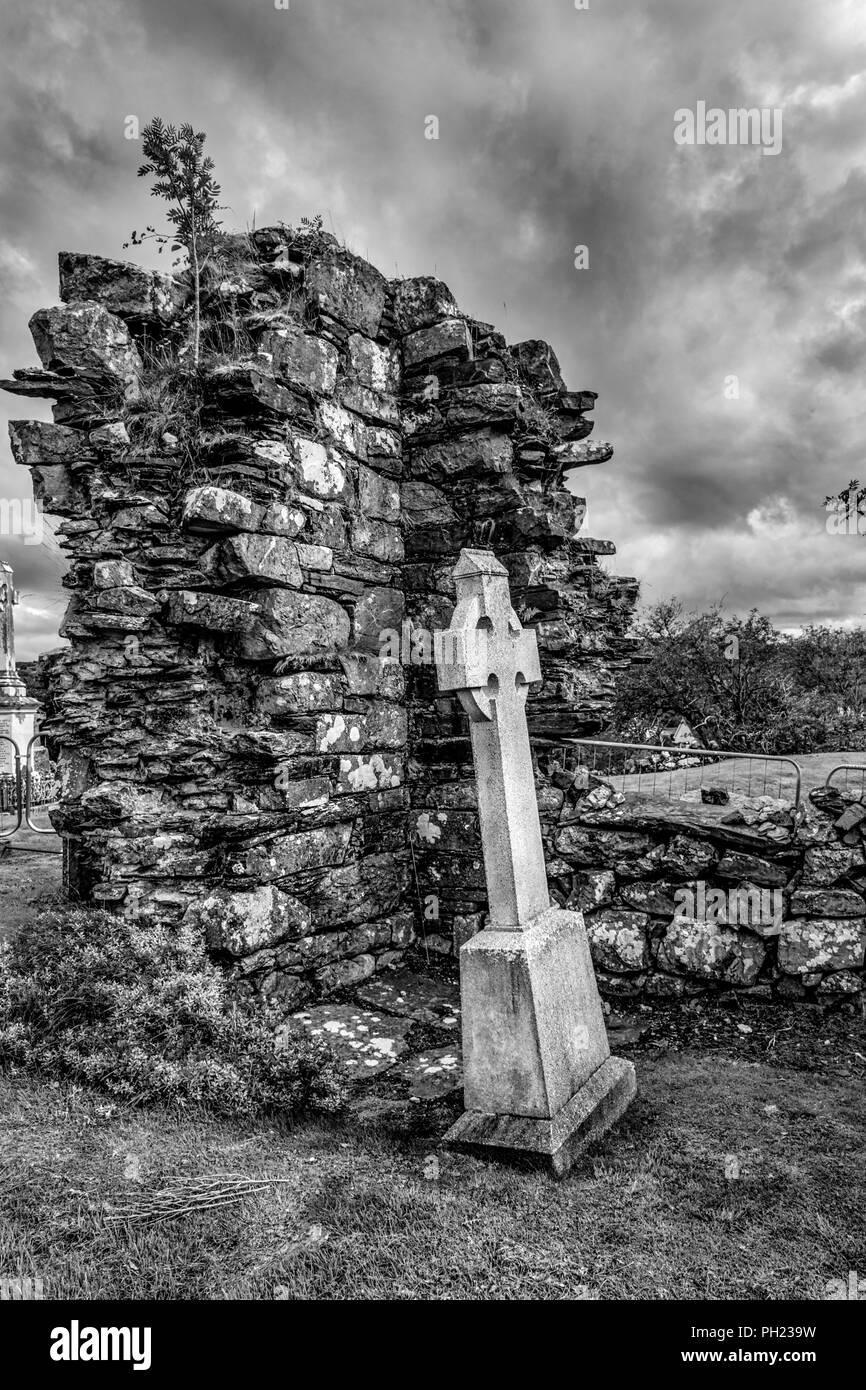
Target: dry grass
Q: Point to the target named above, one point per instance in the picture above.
(348, 1210)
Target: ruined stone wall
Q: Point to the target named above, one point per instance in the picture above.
(630, 866)
(236, 752)
(490, 432)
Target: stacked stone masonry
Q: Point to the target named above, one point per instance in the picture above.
(682, 900)
(236, 750)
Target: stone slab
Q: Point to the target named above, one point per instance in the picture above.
(414, 996)
(432, 1074)
(365, 1042)
(556, 1143)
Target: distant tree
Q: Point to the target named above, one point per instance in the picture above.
(743, 685)
(830, 663)
(183, 176)
(712, 670)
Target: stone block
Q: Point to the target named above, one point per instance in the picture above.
(88, 339)
(289, 624)
(618, 940)
(38, 442)
(303, 692)
(124, 289)
(211, 510)
(658, 897)
(827, 902)
(819, 944)
(420, 302)
(369, 772)
(447, 338)
(537, 365)
(709, 951)
(826, 865)
(216, 612)
(217, 509)
(242, 923)
(378, 495)
(482, 451)
(302, 359)
(321, 471)
(321, 847)
(373, 365)
(131, 600)
(687, 857)
(271, 559)
(346, 288)
(377, 539)
(379, 610)
(751, 868)
(358, 892)
(113, 574)
(588, 848)
(592, 888)
(366, 674)
(315, 557)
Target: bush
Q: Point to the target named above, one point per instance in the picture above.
(136, 1012)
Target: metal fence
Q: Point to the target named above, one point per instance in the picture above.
(655, 769)
(856, 783)
(23, 791)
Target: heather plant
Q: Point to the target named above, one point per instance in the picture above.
(137, 1012)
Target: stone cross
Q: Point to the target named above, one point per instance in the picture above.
(490, 661)
(538, 1077)
(8, 597)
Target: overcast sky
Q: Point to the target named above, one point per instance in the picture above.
(556, 129)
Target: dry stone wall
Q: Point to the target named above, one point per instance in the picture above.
(679, 900)
(236, 752)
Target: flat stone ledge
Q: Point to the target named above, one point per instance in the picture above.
(365, 1042)
(412, 995)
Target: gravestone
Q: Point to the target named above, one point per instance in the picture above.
(17, 710)
(539, 1080)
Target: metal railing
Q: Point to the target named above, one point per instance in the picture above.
(23, 806)
(642, 774)
(859, 768)
(19, 794)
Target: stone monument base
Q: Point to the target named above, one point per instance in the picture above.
(539, 1078)
(556, 1143)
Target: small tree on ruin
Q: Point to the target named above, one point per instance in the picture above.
(183, 176)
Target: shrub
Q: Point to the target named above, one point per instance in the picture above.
(136, 1012)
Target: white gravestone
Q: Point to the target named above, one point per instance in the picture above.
(539, 1077)
(17, 711)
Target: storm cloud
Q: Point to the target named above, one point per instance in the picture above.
(723, 315)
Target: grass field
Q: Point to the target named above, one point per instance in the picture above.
(737, 1173)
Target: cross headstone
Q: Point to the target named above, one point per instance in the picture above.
(8, 597)
(17, 711)
(538, 1075)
